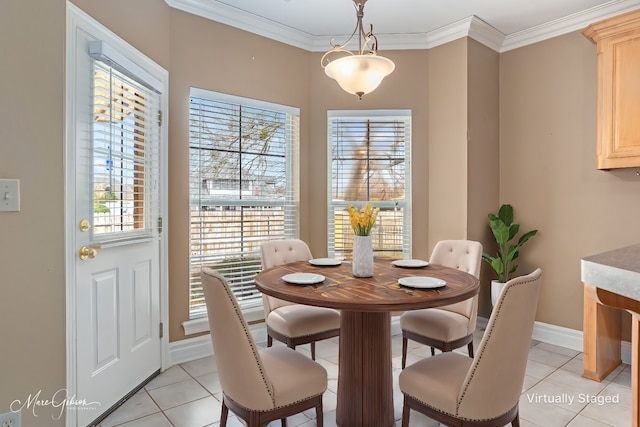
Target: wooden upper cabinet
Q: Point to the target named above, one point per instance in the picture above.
(618, 46)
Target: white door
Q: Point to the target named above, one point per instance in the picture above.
(114, 225)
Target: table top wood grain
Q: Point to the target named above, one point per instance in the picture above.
(341, 290)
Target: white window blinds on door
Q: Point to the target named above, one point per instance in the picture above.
(369, 161)
(243, 188)
(125, 155)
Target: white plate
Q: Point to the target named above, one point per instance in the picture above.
(325, 261)
(411, 263)
(303, 278)
(421, 282)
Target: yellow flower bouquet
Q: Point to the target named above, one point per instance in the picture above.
(362, 220)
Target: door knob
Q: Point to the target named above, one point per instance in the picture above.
(88, 252)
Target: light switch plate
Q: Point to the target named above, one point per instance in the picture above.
(9, 195)
(10, 419)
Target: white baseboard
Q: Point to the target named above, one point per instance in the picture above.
(196, 348)
(626, 352)
(190, 349)
(564, 337)
(395, 326)
(558, 335)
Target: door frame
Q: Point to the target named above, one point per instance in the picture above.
(77, 19)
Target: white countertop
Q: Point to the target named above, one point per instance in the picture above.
(617, 271)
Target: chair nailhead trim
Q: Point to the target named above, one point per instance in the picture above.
(253, 349)
(479, 356)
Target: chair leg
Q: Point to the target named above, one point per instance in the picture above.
(313, 350)
(269, 341)
(405, 413)
(470, 348)
(223, 415)
(319, 416)
(404, 352)
(516, 421)
(433, 351)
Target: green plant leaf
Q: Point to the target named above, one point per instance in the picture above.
(506, 214)
(497, 265)
(526, 237)
(512, 253)
(500, 231)
(513, 230)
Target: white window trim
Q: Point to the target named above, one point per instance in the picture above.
(381, 114)
(255, 311)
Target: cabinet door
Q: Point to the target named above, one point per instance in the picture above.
(618, 41)
(619, 140)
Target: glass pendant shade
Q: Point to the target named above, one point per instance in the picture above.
(359, 74)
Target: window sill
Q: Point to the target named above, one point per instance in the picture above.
(196, 326)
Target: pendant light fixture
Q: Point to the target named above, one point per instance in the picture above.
(361, 72)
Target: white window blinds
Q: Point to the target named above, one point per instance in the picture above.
(125, 155)
(243, 188)
(369, 154)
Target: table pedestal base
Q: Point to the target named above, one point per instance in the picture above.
(365, 384)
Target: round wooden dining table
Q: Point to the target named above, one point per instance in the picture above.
(365, 383)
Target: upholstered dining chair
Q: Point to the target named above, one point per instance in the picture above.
(484, 391)
(259, 386)
(448, 327)
(294, 324)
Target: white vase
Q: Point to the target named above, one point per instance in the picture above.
(496, 290)
(362, 263)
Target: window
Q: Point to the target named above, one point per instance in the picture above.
(242, 188)
(125, 155)
(369, 154)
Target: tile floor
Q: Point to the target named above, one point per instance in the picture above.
(188, 395)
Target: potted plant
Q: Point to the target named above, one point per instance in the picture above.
(504, 230)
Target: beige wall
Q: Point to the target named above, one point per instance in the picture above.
(32, 357)
(546, 160)
(144, 24)
(216, 57)
(463, 144)
(548, 170)
(405, 88)
(447, 139)
(483, 143)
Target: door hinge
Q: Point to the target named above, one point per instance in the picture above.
(161, 330)
(159, 224)
(159, 117)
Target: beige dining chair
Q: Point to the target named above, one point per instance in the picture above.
(484, 391)
(294, 324)
(259, 386)
(448, 327)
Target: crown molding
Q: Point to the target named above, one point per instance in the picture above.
(233, 17)
(575, 22)
(471, 26)
(484, 33)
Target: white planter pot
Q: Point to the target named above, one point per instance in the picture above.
(362, 256)
(496, 290)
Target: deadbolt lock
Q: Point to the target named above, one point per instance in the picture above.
(85, 225)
